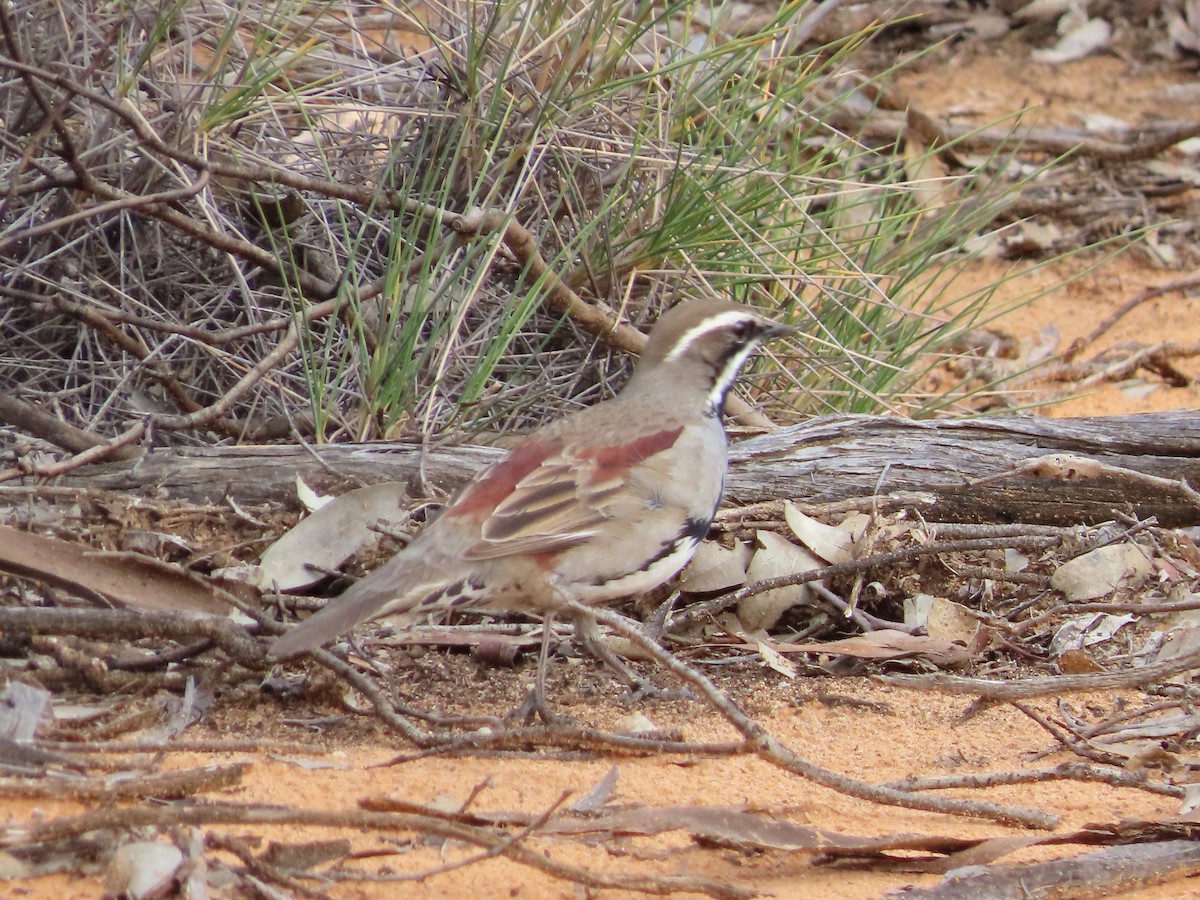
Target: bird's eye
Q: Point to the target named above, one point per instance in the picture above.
(742, 329)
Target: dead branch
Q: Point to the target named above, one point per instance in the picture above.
(31, 419)
(880, 461)
(1152, 293)
(43, 832)
(1062, 772)
(1104, 873)
(162, 786)
(133, 625)
(1048, 686)
(766, 747)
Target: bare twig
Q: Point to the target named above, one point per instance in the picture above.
(33, 420)
(110, 789)
(1062, 772)
(771, 750)
(1047, 686)
(1151, 293)
(135, 624)
(124, 820)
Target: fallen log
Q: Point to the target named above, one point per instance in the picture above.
(964, 470)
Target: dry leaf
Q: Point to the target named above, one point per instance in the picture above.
(1015, 560)
(832, 544)
(1184, 30)
(1078, 662)
(950, 621)
(715, 568)
(599, 795)
(1086, 630)
(776, 660)
(634, 723)
(125, 579)
(309, 497)
(1030, 238)
(21, 709)
(1042, 10)
(142, 870)
(330, 536)
(1080, 41)
(888, 644)
(1101, 571)
(927, 177)
(777, 556)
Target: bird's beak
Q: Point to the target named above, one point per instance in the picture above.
(775, 329)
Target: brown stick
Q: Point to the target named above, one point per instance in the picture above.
(125, 820)
(1048, 686)
(769, 749)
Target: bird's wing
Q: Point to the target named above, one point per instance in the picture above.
(557, 502)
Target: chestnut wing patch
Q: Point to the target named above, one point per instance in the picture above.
(561, 501)
(497, 482)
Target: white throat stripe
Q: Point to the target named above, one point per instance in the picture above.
(725, 380)
(716, 323)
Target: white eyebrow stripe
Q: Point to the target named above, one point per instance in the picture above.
(717, 322)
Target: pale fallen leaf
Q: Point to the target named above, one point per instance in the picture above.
(309, 497)
(305, 855)
(950, 621)
(331, 535)
(927, 176)
(1177, 171)
(1029, 238)
(1103, 123)
(1100, 572)
(599, 795)
(1184, 28)
(1190, 146)
(1042, 10)
(830, 543)
(1015, 560)
(21, 709)
(856, 525)
(124, 579)
(715, 568)
(1080, 41)
(888, 644)
(1138, 388)
(12, 868)
(1085, 631)
(1178, 642)
(916, 609)
(635, 723)
(1184, 619)
(313, 764)
(776, 660)
(1039, 347)
(1191, 800)
(625, 648)
(142, 869)
(775, 557)
(988, 26)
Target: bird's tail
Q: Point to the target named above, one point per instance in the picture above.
(394, 587)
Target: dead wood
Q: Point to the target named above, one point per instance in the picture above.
(1100, 874)
(965, 470)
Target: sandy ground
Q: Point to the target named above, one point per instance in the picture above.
(850, 725)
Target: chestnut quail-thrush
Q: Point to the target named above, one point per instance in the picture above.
(602, 504)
